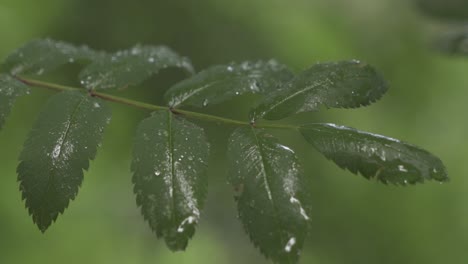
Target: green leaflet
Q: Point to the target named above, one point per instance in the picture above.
(63, 140)
(43, 55)
(271, 193)
(345, 84)
(169, 160)
(10, 88)
(445, 9)
(374, 156)
(130, 67)
(222, 82)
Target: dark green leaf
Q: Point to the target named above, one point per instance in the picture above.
(374, 156)
(63, 140)
(169, 161)
(10, 88)
(445, 9)
(271, 193)
(222, 82)
(130, 67)
(42, 55)
(345, 84)
(454, 42)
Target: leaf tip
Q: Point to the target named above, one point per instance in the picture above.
(176, 245)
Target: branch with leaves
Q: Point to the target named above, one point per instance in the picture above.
(171, 151)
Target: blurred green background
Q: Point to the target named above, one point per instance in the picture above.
(354, 220)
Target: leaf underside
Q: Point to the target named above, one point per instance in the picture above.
(222, 82)
(43, 55)
(130, 67)
(345, 84)
(374, 156)
(10, 89)
(63, 140)
(271, 193)
(169, 159)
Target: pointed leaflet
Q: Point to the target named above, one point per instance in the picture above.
(374, 156)
(222, 82)
(10, 88)
(169, 160)
(63, 140)
(130, 67)
(271, 193)
(345, 84)
(42, 55)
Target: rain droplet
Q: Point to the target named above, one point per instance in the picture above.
(290, 244)
(157, 173)
(187, 221)
(205, 102)
(150, 59)
(254, 86)
(96, 105)
(56, 151)
(230, 68)
(402, 168)
(293, 200)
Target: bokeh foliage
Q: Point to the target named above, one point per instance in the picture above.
(353, 221)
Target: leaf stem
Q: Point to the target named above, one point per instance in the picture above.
(210, 117)
(146, 106)
(129, 102)
(51, 86)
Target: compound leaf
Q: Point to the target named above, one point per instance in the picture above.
(130, 67)
(222, 82)
(43, 55)
(63, 140)
(374, 156)
(10, 89)
(271, 193)
(345, 84)
(169, 160)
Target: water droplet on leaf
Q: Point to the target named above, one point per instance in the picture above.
(290, 244)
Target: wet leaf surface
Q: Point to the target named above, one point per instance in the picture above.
(130, 67)
(44, 55)
(345, 84)
(169, 161)
(374, 156)
(271, 193)
(10, 89)
(222, 82)
(63, 140)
